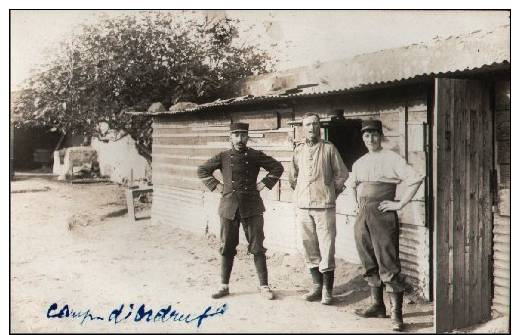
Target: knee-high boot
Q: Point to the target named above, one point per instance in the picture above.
(328, 285)
(378, 308)
(396, 298)
(317, 281)
(261, 270)
(226, 266)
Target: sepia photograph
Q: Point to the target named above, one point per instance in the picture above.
(260, 171)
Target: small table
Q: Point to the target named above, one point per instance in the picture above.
(131, 193)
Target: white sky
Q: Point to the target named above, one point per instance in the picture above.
(302, 37)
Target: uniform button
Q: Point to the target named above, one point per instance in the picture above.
(247, 162)
(245, 154)
(232, 181)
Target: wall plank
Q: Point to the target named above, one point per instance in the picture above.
(258, 120)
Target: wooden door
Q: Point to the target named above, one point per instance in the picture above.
(463, 159)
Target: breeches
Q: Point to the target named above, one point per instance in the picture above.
(377, 242)
(229, 234)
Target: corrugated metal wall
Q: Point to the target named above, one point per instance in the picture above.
(179, 147)
(502, 219)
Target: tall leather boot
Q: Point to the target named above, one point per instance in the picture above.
(396, 299)
(261, 268)
(317, 280)
(328, 285)
(261, 271)
(378, 308)
(226, 266)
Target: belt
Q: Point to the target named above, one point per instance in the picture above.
(376, 191)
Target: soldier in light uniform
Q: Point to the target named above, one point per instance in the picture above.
(241, 202)
(317, 176)
(373, 181)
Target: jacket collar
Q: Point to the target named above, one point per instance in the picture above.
(311, 144)
(233, 150)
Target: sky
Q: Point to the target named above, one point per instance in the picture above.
(295, 37)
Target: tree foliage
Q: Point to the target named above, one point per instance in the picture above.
(127, 62)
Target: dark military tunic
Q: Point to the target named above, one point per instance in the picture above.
(240, 172)
(241, 202)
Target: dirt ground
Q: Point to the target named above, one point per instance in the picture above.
(73, 244)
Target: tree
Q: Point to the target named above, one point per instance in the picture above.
(129, 61)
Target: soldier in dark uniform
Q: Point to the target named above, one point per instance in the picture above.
(241, 202)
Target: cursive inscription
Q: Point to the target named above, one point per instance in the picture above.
(137, 313)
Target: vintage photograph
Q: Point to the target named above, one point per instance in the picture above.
(260, 171)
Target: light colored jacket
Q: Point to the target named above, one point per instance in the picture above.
(317, 175)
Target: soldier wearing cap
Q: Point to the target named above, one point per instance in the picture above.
(241, 202)
(317, 176)
(373, 182)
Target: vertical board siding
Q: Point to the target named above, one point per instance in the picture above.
(463, 207)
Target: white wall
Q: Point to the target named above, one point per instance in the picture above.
(116, 158)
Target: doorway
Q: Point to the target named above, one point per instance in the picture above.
(345, 134)
(33, 147)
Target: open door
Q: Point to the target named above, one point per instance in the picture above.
(463, 193)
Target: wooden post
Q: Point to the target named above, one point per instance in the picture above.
(130, 204)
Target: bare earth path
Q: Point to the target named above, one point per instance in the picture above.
(73, 244)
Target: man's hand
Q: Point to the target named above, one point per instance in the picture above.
(387, 206)
(219, 188)
(260, 186)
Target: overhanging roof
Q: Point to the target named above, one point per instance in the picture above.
(477, 51)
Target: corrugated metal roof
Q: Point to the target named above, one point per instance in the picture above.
(450, 56)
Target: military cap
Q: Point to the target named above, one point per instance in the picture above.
(239, 127)
(372, 125)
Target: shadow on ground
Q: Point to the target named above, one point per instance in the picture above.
(351, 292)
(28, 175)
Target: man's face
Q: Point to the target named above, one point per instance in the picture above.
(239, 140)
(372, 139)
(311, 126)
